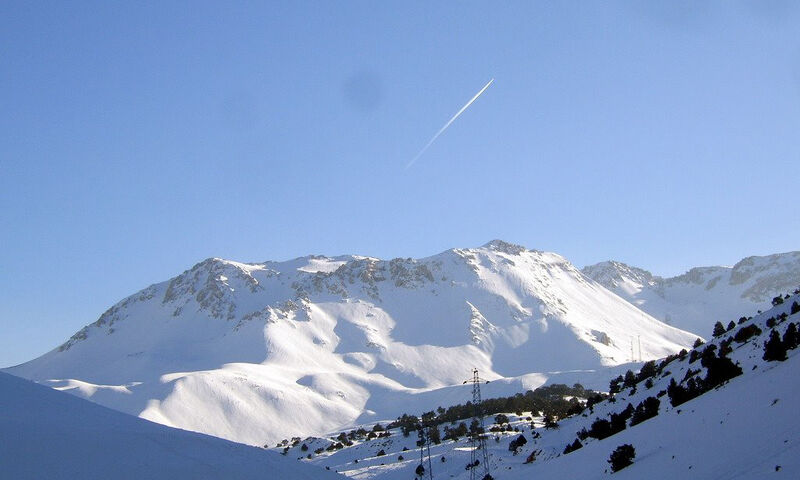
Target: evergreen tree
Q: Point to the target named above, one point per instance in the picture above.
(622, 457)
(573, 446)
(718, 329)
(615, 385)
(731, 326)
(648, 370)
(774, 349)
(790, 337)
(630, 379)
(620, 420)
(645, 410)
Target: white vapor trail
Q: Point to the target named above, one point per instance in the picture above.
(441, 130)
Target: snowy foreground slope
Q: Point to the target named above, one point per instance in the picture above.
(703, 295)
(258, 352)
(746, 428)
(45, 434)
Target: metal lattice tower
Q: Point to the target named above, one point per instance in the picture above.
(425, 449)
(479, 461)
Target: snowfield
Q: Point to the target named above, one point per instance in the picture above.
(747, 428)
(258, 352)
(52, 435)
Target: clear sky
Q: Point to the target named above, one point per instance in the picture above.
(137, 139)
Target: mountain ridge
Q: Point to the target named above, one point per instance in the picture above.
(229, 348)
(697, 298)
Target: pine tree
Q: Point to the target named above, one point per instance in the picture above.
(630, 380)
(718, 329)
(614, 385)
(573, 446)
(774, 349)
(648, 370)
(645, 410)
(790, 337)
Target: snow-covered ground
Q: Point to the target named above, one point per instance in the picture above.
(748, 428)
(45, 434)
(703, 295)
(258, 352)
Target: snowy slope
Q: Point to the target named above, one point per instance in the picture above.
(52, 435)
(259, 352)
(745, 429)
(698, 298)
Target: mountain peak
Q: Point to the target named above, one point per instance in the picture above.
(504, 247)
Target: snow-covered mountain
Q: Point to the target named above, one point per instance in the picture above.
(52, 435)
(702, 296)
(745, 427)
(256, 352)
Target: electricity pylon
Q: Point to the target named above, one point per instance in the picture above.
(424, 443)
(477, 440)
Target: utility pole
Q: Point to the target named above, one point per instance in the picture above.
(477, 439)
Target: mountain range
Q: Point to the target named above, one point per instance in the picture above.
(257, 352)
(696, 299)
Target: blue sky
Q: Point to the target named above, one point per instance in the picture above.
(137, 138)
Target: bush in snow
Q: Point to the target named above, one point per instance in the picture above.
(745, 333)
(517, 443)
(622, 457)
(600, 429)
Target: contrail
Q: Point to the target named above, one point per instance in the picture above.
(441, 130)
